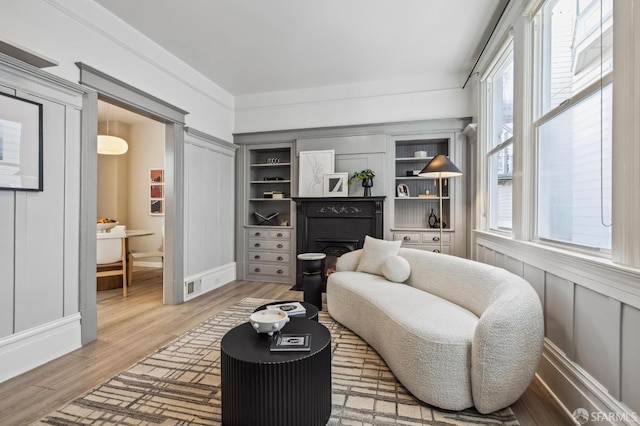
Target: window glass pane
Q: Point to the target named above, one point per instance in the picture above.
(502, 100)
(500, 188)
(574, 174)
(576, 48)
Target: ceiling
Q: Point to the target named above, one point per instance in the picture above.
(257, 46)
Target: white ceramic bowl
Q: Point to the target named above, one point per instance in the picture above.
(103, 227)
(268, 320)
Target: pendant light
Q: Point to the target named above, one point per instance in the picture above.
(111, 145)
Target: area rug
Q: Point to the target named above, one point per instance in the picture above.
(179, 384)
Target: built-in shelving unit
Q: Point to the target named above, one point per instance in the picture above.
(267, 237)
(416, 198)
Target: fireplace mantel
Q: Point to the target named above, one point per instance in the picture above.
(344, 219)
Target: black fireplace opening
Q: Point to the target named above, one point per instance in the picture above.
(334, 248)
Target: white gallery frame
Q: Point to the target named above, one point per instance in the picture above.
(336, 184)
(313, 165)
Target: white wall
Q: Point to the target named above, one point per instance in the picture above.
(70, 31)
(146, 151)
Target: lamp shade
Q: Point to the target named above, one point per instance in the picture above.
(440, 166)
(111, 145)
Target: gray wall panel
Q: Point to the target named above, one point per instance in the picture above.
(630, 372)
(597, 337)
(40, 231)
(535, 277)
(515, 266)
(559, 313)
(72, 214)
(7, 221)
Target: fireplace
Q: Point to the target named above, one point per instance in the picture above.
(335, 226)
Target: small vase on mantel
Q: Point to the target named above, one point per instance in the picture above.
(367, 184)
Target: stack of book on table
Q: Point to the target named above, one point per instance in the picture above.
(291, 308)
(291, 342)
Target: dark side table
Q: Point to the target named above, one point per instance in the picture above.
(260, 387)
(313, 266)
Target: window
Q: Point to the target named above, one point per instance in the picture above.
(573, 123)
(500, 149)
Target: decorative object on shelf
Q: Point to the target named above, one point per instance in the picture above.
(269, 320)
(420, 154)
(440, 167)
(20, 143)
(366, 177)
(433, 220)
(335, 184)
(111, 145)
(273, 160)
(313, 166)
(266, 220)
(403, 190)
(156, 192)
(412, 173)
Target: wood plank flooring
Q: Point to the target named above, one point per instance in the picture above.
(131, 328)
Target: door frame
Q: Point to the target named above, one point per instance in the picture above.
(124, 95)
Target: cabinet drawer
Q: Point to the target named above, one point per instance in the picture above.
(259, 256)
(280, 234)
(436, 247)
(258, 233)
(269, 245)
(434, 237)
(408, 238)
(266, 269)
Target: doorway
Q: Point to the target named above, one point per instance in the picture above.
(130, 188)
(118, 93)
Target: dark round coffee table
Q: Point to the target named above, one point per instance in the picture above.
(312, 311)
(260, 387)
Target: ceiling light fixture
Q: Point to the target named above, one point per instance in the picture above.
(111, 145)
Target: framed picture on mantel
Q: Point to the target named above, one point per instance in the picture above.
(313, 165)
(335, 184)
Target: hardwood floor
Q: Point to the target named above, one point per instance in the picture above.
(131, 328)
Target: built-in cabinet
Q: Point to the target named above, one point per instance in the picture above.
(416, 202)
(265, 246)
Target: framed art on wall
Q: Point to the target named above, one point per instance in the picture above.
(156, 192)
(313, 166)
(20, 144)
(335, 184)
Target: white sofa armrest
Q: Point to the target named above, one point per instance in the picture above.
(506, 349)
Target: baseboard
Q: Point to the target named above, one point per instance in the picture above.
(199, 284)
(29, 349)
(575, 389)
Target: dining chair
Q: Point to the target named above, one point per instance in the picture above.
(111, 259)
(133, 255)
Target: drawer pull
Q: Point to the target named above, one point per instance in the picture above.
(257, 234)
(256, 270)
(280, 271)
(407, 238)
(279, 235)
(256, 245)
(256, 257)
(280, 258)
(280, 246)
(436, 250)
(436, 238)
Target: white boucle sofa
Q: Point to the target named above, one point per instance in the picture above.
(457, 333)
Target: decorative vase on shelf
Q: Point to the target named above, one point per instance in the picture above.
(366, 177)
(367, 184)
(433, 220)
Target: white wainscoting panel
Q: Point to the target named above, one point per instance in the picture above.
(597, 337)
(559, 312)
(7, 223)
(630, 371)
